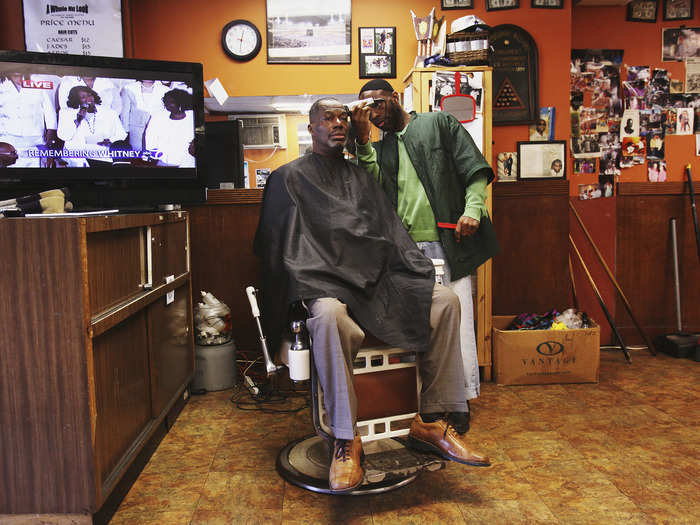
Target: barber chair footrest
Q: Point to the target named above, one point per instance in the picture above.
(388, 465)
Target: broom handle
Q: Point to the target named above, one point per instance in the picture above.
(625, 302)
(693, 210)
(676, 279)
(608, 316)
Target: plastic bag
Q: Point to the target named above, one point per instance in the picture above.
(212, 320)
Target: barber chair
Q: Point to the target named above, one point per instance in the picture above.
(387, 386)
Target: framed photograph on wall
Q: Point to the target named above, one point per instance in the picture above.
(678, 9)
(547, 4)
(677, 43)
(302, 32)
(498, 5)
(642, 11)
(377, 53)
(542, 160)
(456, 4)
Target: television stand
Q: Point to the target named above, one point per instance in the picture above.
(97, 352)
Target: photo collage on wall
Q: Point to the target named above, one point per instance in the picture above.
(621, 115)
(596, 112)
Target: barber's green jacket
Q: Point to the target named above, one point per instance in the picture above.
(445, 159)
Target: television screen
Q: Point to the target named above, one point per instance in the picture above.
(68, 111)
(101, 124)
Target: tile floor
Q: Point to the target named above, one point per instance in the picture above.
(626, 450)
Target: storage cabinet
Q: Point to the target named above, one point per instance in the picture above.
(417, 91)
(94, 352)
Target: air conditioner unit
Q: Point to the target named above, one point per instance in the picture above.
(263, 131)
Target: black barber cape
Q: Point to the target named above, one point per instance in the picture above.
(327, 230)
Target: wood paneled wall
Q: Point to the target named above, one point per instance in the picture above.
(222, 259)
(530, 274)
(644, 258)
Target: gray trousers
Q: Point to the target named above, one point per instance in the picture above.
(463, 288)
(337, 338)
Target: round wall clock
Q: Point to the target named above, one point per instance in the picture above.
(241, 40)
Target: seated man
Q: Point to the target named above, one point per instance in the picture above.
(329, 237)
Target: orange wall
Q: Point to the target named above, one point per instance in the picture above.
(642, 45)
(175, 38)
(191, 31)
(187, 30)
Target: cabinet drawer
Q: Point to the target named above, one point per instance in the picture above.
(168, 250)
(116, 267)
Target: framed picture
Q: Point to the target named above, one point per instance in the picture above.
(678, 43)
(507, 166)
(642, 11)
(678, 9)
(542, 160)
(377, 53)
(456, 4)
(497, 5)
(302, 32)
(547, 4)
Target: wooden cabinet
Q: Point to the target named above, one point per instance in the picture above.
(95, 349)
(417, 90)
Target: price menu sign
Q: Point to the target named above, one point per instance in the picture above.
(87, 27)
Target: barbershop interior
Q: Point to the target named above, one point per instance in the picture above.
(217, 308)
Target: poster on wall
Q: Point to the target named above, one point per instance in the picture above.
(679, 43)
(89, 27)
(303, 32)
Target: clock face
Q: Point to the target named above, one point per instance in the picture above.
(241, 40)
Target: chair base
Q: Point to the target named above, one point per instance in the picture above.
(388, 465)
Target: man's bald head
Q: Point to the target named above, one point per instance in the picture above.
(321, 104)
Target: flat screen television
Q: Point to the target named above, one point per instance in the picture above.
(118, 133)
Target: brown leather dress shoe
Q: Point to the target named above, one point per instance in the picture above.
(442, 439)
(346, 465)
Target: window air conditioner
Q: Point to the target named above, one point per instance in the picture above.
(263, 131)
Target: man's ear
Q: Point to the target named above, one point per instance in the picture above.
(395, 96)
(308, 128)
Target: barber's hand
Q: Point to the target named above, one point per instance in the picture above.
(466, 226)
(361, 122)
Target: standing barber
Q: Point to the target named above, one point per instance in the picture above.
(432, 172)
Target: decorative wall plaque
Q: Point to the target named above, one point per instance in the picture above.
(514, 60)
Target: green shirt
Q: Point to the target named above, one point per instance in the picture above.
(413, 206)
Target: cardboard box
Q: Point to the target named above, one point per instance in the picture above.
(536, 357)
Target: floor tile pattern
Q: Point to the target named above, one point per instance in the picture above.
(626, 450)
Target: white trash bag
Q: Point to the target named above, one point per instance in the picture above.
(212, 321)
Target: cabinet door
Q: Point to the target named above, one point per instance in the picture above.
(171, 352)
(116, 267)
(121, 390)
(169, 250)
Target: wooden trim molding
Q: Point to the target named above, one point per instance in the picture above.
(655, 188)
(240, 196)
(536, 188)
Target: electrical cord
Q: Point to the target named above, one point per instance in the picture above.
(261, 395)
